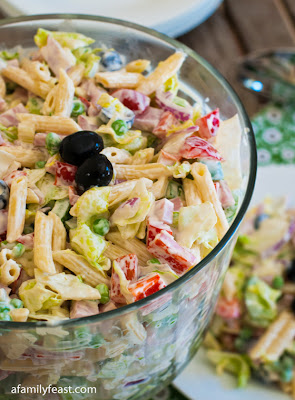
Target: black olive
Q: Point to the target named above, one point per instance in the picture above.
(79, 146)
(96, 171)
(291, 272)
(111, 60)
(4, 194)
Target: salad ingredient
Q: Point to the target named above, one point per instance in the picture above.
(78, 108)
(104, 293)
(80, 146)
(111, 60)
(95, 171)
(101, 226)
(135, 101)
(195, 147)
(52, 143)
(166, 101)
(4, 194)
(209, 124)
(120, 127)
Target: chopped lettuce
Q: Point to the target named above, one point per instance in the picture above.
(135, 145)
(166, 273)
(36, 296)
(195, 224)
(7, 55)
(235, 278)
(89, 244)
(261, 301)
(215, 169)
(89, 58)
(131, 213)
(91, 204)
(172, 85)
(72, 40)
(51, 191)
(230, 212)
(9, 133)
(237, 364)
(34, 105)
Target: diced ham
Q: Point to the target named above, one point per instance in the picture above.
(166, 122)
(92, 94)
(15, 174)
(135, 101)
(8, 118)
(166, 158)
(40, 139)
(154, 227)
(51, 165)
(2, 142)
(27, 240)
(129, 265)
(177, 202)
(224, 194)
(13, 63)
(167, 250)
(196, 147)
(7, 290)
(228, 308)
(65, 174)
(107, 307)
(163, 211)
(3, 221)
(56, 56)
(2, 104)
(148, 120)
(146, 286)
(23, 277)
(73, 196)
(87, 123)
(209, 124)
(83, 308)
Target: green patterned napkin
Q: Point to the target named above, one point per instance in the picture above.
(274, 129)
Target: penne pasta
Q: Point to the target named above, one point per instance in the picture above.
(191, 194)
(144, 156)
(113, 251)
(26, 157)
(118, 79)
(26, 132)
(139, 66)
(80, 266)
(37, 70)
(32, 198)
(150, 171)
(64, 95)
(49, 103)
(19, 314)
(133, 246)
(76, 73)
(59, 235)
(159, 188)
(17, 208)
(42, 243)
(22, 78)
(2, 87)
(117, 156)
(165, 70)
(122, 190)
(57, 124)
(207, 192)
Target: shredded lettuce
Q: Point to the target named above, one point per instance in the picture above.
(34, 105)
(89, 244)
(195, 224)
(7, 55)
(36, 296)
(91, 204)
(237, 364)
(235, 277)
(172, 85)
(215, 169)
(9, 133)
(72, 40)
(261, 301)
(166, 273)
(51, 191)
(135, 145)
(89, 58)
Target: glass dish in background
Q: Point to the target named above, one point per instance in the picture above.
(131, 352)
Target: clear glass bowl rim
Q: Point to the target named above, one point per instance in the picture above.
(244, 206)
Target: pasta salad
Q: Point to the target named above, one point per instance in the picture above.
(112, 184)
(252, 333)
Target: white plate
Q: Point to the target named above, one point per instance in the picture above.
(172, 17)
(199, 380)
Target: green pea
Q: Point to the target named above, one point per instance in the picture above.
(4, 307)
(278, 282)
(4, 316)
(101, 226)
(97, 341)
(78, 108)
(40, 164)
(82, 333)
(104, 292)
(155, 261)
(246, 333)
(52, 143)
(18, 250)
(16, 303)
(120, 127)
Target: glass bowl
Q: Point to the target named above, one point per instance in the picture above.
(131, 352)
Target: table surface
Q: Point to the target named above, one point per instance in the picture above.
(237, 28)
